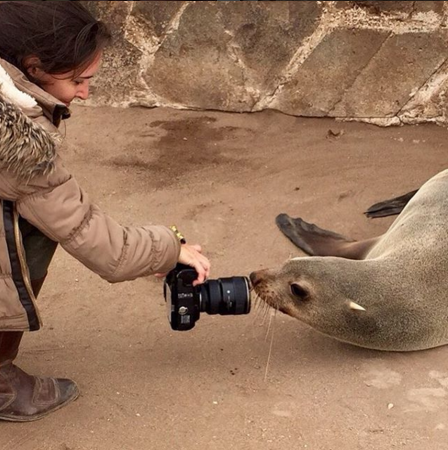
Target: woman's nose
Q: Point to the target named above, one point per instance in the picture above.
(83, 92)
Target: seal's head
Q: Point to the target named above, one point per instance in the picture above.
(317, 291)
(303, 286)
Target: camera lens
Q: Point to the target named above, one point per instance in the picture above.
(225, 296)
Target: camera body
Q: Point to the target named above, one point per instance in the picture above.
(185, 302)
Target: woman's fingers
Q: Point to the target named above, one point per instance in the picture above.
(191, 255)
(202, 267)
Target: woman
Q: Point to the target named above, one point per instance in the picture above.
(49, 51)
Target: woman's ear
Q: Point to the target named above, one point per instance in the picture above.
(32, 65)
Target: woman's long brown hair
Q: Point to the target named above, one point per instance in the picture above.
(62, 34)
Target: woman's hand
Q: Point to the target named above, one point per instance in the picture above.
(191, 255)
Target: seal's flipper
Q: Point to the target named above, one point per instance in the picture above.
(309, 237)
(390, 207)
(316, 241)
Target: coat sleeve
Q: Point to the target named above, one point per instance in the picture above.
(63, 211)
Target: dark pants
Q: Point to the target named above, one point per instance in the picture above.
(39, 249)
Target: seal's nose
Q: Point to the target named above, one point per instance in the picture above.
(256, 277)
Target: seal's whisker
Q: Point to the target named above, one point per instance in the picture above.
(265, 314)
(262, 307)
(270, 346)
(258, 313)
(269, 327)
(259, 306)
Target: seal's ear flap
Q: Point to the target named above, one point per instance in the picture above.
(300, 290)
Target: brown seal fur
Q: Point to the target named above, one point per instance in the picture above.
(388, 293)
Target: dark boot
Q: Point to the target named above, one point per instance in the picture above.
(24, 398)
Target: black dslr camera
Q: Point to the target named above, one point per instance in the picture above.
(185, 302)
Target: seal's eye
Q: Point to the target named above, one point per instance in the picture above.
(298, 291)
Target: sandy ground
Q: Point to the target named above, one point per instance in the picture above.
(222, 178)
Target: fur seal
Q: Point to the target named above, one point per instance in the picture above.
(388, 293)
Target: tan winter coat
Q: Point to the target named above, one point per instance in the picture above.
(35, 185)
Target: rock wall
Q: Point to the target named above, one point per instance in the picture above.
(381, 62)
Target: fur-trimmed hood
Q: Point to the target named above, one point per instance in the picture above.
(26, 148)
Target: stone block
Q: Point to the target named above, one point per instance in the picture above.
(431, 102)
(113, 13)
(268, 34)
(393, 7)
(118, 82)
(331, 68)
(437, 107)
(193, 66)
(402, 65)
(156, 15)
(436, 7)
(225, 55)
(120, 70)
